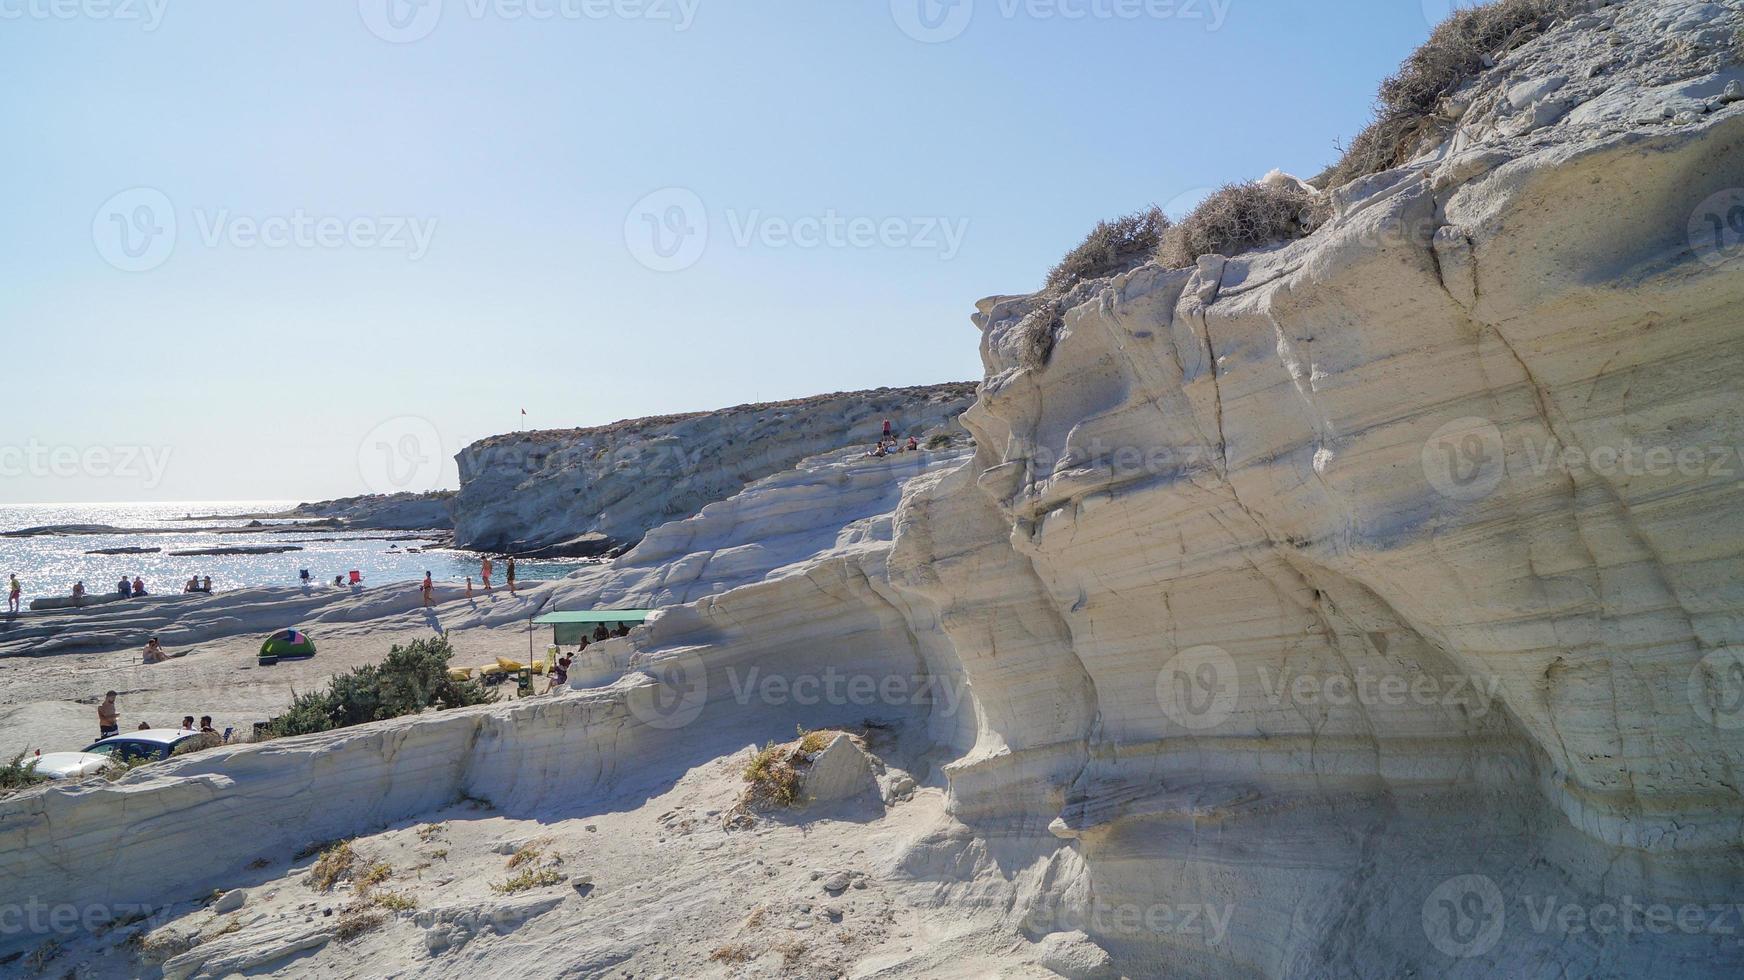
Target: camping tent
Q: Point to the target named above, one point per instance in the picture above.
(286, 645)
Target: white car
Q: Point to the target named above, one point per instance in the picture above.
(132, 748)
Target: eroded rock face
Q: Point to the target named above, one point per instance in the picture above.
(1369, 606)
(591, 491)
(1386, 583)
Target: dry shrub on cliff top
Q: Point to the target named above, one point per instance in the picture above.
(1241, 217)
(1405, 112)
(1112, 247)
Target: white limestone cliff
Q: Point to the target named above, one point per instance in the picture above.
(593, 491)
(1364, 606)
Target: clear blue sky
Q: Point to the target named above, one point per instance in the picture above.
(521, 146)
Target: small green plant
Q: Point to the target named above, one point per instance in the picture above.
(938, 441)
(772, 778)
(528, 879)
(373, 875)
(18, 774)
(528, 852)
(394, 901)
(117, 768)
(335, 864)
(815, 741)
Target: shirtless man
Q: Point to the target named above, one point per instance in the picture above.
(108, 718)
(154, 652)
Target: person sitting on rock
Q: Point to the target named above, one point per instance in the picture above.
(559, 675)
(154, 652)
(913, 445)
(124, 588)
(206, 585)
(622, 630)
(138, 585)
(193, 584)
(78, 593)
(601, 633)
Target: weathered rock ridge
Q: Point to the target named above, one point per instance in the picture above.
(591, 491)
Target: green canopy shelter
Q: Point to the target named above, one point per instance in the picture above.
(568, 628)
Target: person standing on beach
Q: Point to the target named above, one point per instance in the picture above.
(78, 593)
(429, 591)
(511, 575)
(484, 571)
(14, 592)
(887, 436)
(108, 717)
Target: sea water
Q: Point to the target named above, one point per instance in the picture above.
(48, 565)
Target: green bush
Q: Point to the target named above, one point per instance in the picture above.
(17, 774)
(1241, 217)
(1112, 247)
(1453, 55)
(412, 678)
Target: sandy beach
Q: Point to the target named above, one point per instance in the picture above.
(48, 699)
